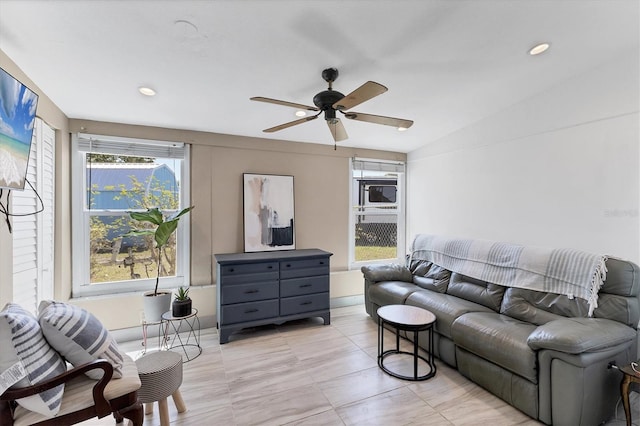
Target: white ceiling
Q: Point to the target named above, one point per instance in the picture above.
(447, 63)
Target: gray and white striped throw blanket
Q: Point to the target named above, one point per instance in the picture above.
(570, 272)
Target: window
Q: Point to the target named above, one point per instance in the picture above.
(377, 210)
(112, 177)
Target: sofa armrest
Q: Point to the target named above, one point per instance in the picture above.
(386, 272)
(580, 335)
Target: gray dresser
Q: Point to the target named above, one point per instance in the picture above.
(270, 288)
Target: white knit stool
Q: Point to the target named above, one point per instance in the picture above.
(161, 376)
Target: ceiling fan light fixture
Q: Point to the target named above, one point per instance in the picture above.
(402, 129)
(147, 91)
(539, 48)
(300, 113)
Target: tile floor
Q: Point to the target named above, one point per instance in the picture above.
(305, 373)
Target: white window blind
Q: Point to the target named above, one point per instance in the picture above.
(33, 234)
(378, 166)
(133, 147)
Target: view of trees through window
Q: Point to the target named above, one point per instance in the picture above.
(116, 185)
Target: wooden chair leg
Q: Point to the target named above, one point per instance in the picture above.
(163, 407)
(178, 401)
(135, 413)
(148, 408)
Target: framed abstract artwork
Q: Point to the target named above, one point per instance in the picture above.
(269, 222)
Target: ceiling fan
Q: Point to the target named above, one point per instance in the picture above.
(330, 101)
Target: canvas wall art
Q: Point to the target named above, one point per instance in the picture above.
(268, 213)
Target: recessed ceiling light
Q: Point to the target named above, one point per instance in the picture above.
(147, 91)
(539, 48)
(300, 113)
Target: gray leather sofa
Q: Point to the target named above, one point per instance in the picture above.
(540, 352)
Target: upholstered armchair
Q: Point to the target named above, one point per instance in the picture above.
(63, 367)
(83, 398)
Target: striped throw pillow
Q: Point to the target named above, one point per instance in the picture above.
(23, 342)
(79, 336)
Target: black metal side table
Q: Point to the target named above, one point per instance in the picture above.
(409, 319)
(186, 333)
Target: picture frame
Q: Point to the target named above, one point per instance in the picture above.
(269, 212)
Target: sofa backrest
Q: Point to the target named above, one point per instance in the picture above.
(478, 291)
(619, 297)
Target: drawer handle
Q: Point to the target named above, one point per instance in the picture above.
(270, 267)
(305, 303)
(250, 311)
(305, 285)
(231, 270)
(321, 262)
(288, 265)
(251, 291)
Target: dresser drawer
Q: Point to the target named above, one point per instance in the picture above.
(304, 268)
(250, 272)
(308, 303)
(244, 312)
(249, 292)
(309, 285)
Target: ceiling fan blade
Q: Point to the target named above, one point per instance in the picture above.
(290, 124)
(363, 93)
(379, 119)
(284, 103)
(337, 129)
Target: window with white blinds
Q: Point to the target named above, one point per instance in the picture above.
(111, 177)
(33, 234)
(377, 219)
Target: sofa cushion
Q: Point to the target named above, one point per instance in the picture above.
(79, 336)
(617, 299)
(436, 279)
(420, 267)
(623, 278)
(539, 308)
(24, 344)
(499, 339)
(445, 307)
(391, 292)
(478, 291)
(618, 308)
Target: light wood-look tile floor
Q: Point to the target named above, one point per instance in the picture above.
(305, 373)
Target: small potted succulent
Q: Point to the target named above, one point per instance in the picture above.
(181, 306)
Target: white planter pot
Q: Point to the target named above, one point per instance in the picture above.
(155, 306)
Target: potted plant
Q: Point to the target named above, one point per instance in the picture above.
(181, 306)
(156, 303)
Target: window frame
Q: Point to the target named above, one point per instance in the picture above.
(401, 212)
(80, 219)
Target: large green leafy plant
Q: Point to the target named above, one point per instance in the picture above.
(161, 230)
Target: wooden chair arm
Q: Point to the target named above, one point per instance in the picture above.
(102, 405)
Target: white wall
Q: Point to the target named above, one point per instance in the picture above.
(559, 169)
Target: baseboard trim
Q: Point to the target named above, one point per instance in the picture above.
(209, 321)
